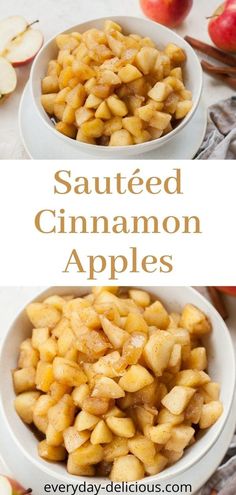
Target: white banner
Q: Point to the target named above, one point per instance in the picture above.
(118, 222)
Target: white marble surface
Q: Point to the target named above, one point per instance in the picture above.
(57, 15)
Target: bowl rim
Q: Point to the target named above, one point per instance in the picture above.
(162, 477)
(143, 147)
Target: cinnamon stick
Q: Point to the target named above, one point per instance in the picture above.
(227, 79)
(211, 51)
(228, 71)
(218, 302)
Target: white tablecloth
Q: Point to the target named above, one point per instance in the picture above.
(57, 15)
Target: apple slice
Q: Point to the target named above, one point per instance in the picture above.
(24, 48)
(10, 28)
(5, 486)
(8, 79)
(11, 487)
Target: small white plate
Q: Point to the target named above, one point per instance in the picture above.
(40, 143)
(29, 475)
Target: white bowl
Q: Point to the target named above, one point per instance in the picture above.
(221, 369)
(161, 36)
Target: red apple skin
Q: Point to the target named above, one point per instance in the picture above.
(17, 488)
(222, 27)
(29, 60)
(168, 12)
(228, 290)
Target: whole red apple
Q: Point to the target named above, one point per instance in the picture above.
(167, 12)
(222, 26)
(228, 290)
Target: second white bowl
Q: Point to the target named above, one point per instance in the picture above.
(221, 369)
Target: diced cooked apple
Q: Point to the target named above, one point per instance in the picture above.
(158, 350)
(74, 468)
(84, 139)
(146, 58)
(92, 102)
(24, 405)
(181, 435)
(211, 412)
(101, 434)
(115, 334)
(111, 26)
(117, 106)
(161, 433)
(127, 468)
(85, 421)
(160, 120)
(24, 380)
(68, 372)
(160, 91)
(96, 405)
(76, 97)
(194, 409)
(135, 378)
(159, 463)
(61, 416)
(143, 448)
(121, 138)
(54, 437)
(194, 320)
(123, 427)
(210, 392)
(143, 137)
(103, 111)
(175, 53)
(156, 315)
(29, 356)
(107, 388)
(191, 378)
(48, 350)
(68, 130)
(129, 73)
(145, 112)
(51, 453)
(43, 315)
(87, 454)
(105, 365)
(57, 390)
(133, 125)
(39, 336)
(48, 101)
(177, 399)
(73, 439)
(175, 359)
(118, 447)
(183, 108)
(50, 84)
(93, 128)
(198, 359)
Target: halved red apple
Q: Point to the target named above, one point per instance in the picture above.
(19, 43)
(11, 487)
(8, 79)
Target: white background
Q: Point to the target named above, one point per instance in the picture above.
(58, 15)
(30, 258)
